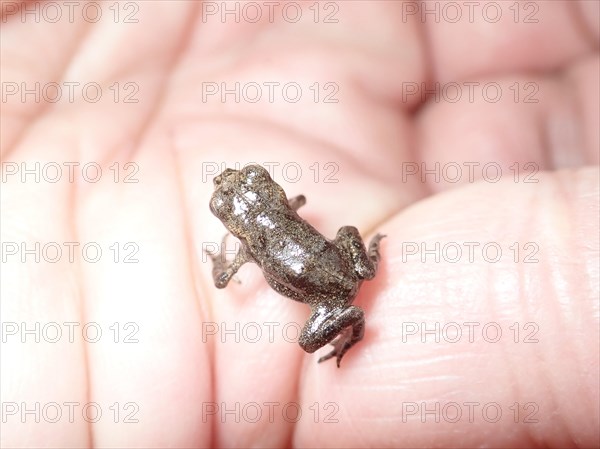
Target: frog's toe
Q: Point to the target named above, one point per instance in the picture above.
(340, 346)
(221, 280)
(340, 353)
(327, 357)
(333, 352)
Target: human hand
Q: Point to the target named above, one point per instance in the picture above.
(543, 368)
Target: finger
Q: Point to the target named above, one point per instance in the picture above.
(509, 128)
(43, 370)
(409, 380)
(155, 368)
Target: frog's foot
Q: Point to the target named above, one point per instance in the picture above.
(347, 324)
(223, 271)
(374, 249)
(341, 344)
(219, 270)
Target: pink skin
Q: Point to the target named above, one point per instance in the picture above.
(369, 134)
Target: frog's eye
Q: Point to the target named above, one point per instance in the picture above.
(226, 175)
(255, 172)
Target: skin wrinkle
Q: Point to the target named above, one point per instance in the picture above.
(583, 91)
(302, 137)
(577, 108)
(566, 191)
(584, 366)
(545, 141)
(540, 372)
(193, 265)
(79, 282)
(526, 312)
(512, 375)
(249, 67)
(561, 321)
(44, 108)
(566, 84)
(36, 289)
(159, 101)
(73, 196)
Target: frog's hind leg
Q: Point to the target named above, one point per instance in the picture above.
(283, 289)
(365, 261)
(323, 326)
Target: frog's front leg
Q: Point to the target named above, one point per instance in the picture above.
(324, 325)
(297, 202)
(222, 272)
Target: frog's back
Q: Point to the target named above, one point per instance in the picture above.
(292, 252)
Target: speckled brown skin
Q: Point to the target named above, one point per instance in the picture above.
(296, 260)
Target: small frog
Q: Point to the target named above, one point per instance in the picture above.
(296, 260)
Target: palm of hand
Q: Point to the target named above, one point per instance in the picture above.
(176, 373)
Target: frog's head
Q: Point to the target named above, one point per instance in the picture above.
(242, 194)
